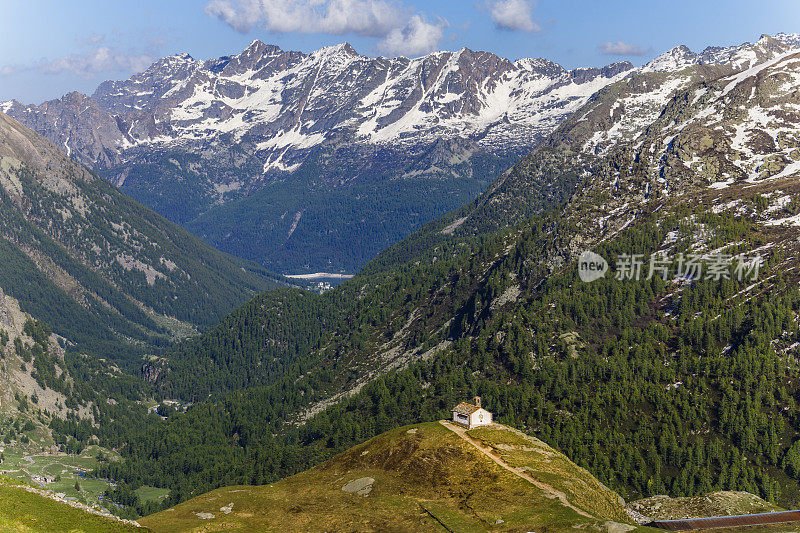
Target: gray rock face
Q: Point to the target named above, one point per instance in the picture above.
(362, 486)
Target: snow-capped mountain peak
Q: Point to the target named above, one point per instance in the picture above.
(677, 58)
(344, 48)
(734, 57)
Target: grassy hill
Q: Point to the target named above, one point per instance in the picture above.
(422, 477)
(28, 512)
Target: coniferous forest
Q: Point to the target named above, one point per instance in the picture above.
(654, 392)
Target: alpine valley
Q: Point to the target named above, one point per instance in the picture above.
(313, 162)
(314, 411)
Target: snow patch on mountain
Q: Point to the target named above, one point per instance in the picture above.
(292, 138)
(756, 69)
(636, 112)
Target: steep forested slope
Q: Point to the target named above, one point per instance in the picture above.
(101, 270)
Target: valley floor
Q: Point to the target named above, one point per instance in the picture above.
(57, 472)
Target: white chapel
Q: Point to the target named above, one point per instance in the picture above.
(471, 415)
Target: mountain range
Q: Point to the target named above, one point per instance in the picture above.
(313, 162)
(316, 162)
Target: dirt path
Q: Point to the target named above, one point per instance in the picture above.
(519, 472)
(30, 462)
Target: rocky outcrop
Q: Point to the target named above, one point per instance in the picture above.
(152, 369)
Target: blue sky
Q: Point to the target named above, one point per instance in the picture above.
(49, 47)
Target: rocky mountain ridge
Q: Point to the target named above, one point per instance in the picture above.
(290, 102)
(658, 135)
(316, 162)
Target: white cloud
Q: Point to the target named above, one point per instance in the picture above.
(96, 60)
(418, 37)
(401, 32)
(620, 48)
(515, 15)
(8, 70)
(101, 59)
(93, 40)
(374, 18)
